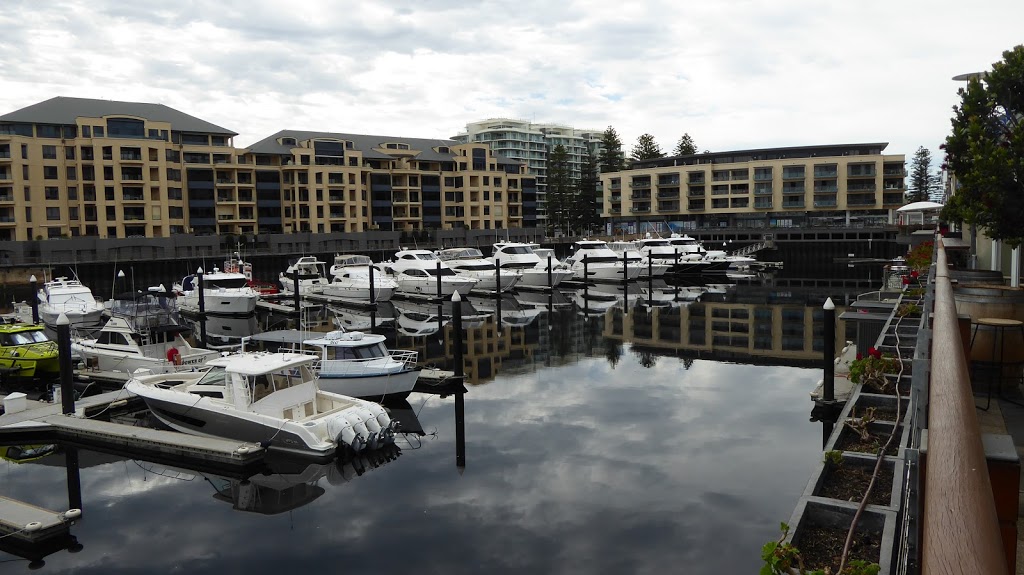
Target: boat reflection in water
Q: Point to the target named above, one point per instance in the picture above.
(418, 319)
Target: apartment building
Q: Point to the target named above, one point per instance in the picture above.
(79, 167)
(841, 184)
(334, 182)
(531, 143)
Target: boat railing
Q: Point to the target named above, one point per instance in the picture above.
(358, 366)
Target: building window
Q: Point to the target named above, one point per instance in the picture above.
(72, 173)
(51, 193)
(52, 233)
(98, 132)
(28, 214)
(50, 172)
(73, 213)
(86, 131)
(108, 193)
(52, 214)
(69, 152)
(72, 192)
(47, 131)
(49, 152)
(24, 151)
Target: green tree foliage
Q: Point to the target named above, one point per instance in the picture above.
(985, 152)
(922, 180)
(646, 148)
(612, 158)
(685, 146)
(559, 189)
(587, 209)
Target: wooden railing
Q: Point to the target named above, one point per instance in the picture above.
(961, 529)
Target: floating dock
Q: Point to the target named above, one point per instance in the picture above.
(30, 523)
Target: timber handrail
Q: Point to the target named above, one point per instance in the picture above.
(961, 529)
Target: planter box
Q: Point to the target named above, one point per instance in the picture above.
(813, 514)
(894, 489)
(843, 435)
(863, 400)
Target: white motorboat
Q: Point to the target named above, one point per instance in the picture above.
(351, 279)
(223, 332)
(533, 269)
(310, 272)
(266, 398)
(351, 363)
(223, 293)
(71, 298)
(648, 266)
(602, 263)
(470, 263)
(161, 349)
(420, 272)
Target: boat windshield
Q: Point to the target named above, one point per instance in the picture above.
(27, 337)
(655, 243)
(361, 352)
(444, 271)
(226, 283)
(216, 376)
(516, 250)
(352, 261)
(599, 259)
(476, 267)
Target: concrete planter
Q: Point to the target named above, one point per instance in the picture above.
(826, 471)
(860, 401)
(843, 434)
(813, 513)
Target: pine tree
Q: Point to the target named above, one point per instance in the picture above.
(922, 180)
(612, 159)
(685, 147)
(559, 189)
(587, 209)
(646, 148)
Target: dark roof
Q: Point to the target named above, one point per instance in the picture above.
(361, 142)
(65, 111)
(826, 150)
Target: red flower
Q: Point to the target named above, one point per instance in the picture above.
(860, 356)
(914, 274)
(906, 280)
(874, 353)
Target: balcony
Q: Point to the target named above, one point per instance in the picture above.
(861, 187)
(861, 201)
(793, 174)
(225, 180)
(793, 189)
(826, 173)
(640, 184)
(695, 193)
(893, 187)
(892, 199)
(792, 203)
(762, 176)
(6, 197)
(829, 203)
(763, 203)
(762, 190)
(640, 209)
(894, 172)
(614, 210)
(641, 196)
(131, 177)
(612, 186)
(664, 195)
(133, 197)
(224, 217)
(615, 198)
(668, 181)
(668, 206)
(695, 179)
(861, 172)
(696, 206)
(131, 156)
(826, 189)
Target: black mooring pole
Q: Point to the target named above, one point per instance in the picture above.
(67, 388)
(373, 291)
(828, 388)
(34, 299)
(202, 306)
(460, 420)
(439, 294)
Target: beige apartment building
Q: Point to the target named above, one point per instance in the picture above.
(841, 184)
(80, 167)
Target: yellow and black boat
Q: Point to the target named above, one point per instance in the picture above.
(25, 351)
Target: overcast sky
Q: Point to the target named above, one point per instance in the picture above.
(733, 74)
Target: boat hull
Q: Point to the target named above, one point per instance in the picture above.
(369, 386)
(221, 303)
(77, 317)
(539, 278)
(29, 367)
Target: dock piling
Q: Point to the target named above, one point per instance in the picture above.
(829, 384)
(373, 291)
(67, 388)
(296, 295)
(460, 420)
(202, 306)
(33, 298)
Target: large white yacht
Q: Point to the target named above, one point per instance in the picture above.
(311, 273)
(420, 272)
(351, 275)
(648, 267)
(120, 347)
(470, 263)
(601, 263)
(72, 298)
(223, 293)
(523, 259)
(266, 398)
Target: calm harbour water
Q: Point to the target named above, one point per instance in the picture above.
(589, 449)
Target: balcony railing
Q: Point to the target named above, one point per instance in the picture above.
(695, 193)
(695, 180)
(860, 187)
(832, 173)
(615, 198)
(7, 198)
(614, 210)
(826, 189)
(133, 197)
(646, 196)
(695, 207)
(894, 172)
(825, 203)
(763, 203)
(640, 209)
(674, 194)
(668, 207)
(668, 182)
(861, 201)
(612, 186)
(792, 204)
(131, 177)
(793, 175)
(854, 172)
(763, 190)
(130, 157)
(793, 190)
(640, 184)
(759, 177)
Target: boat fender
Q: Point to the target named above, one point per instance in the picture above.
(174, 356)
